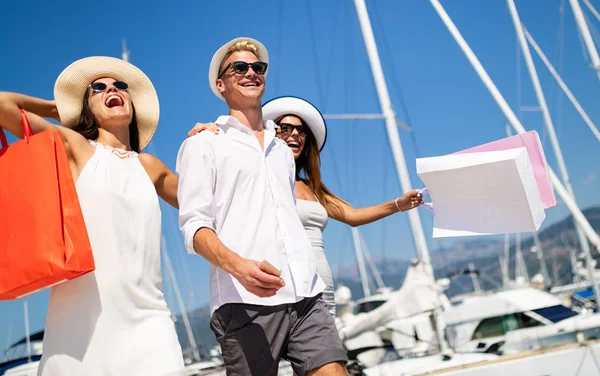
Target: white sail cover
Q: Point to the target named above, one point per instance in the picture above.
(418, 294)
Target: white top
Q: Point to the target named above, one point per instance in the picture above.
(247, 196)
(114, 320)
(314, 218)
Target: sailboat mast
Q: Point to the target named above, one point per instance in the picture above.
(9, 336)
(585, 34)
(520, 266)
(474, 278)
(374, 270)
(27, 332)
(504, 271)
(364, 278)
(506, 261)
(394, 137)
(178, 297)
(543, 267)
(562, 85)
(583, 243)
(392, 128)
(124, 51)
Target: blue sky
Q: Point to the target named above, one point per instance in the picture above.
(317, 52)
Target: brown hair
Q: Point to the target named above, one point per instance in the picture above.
(308, 169)
(87, 126)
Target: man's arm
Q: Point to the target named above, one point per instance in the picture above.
(196, 168)
(247, 272)
(197, 175)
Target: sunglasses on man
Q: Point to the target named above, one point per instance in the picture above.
(241, 67)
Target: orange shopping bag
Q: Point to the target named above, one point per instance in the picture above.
(43, 238)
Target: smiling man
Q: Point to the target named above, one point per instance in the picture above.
(237, 210)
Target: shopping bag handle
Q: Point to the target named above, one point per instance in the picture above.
(27, 132)
(427, 205)
(3, 142)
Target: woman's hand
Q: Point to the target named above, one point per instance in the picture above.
(409, 200)
(199, 127)
(53, 111)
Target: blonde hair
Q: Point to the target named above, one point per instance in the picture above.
(242, 45)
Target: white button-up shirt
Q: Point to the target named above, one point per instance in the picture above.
(227, 183)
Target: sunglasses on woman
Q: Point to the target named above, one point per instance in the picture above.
(241, 67)
(285, 128)
(98, 87)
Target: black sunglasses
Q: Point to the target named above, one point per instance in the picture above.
(289, 128)
(241, 67)
(101, 86)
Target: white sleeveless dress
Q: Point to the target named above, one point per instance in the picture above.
(314, 219)
(114, 321)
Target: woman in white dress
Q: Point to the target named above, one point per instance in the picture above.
(113, 321)
(302, 127)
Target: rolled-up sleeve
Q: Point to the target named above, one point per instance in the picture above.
(196, 171)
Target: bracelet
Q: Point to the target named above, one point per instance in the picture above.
(396, 202)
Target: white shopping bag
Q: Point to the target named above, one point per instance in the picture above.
(482, 193)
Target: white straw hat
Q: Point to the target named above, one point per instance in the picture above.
(72, 84)
(289, 105)
(217, 59)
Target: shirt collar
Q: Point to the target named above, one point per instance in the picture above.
(235, 123)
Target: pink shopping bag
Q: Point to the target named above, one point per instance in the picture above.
(530, 141)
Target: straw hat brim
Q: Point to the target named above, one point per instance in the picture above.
(215, 63)
(289, 105)
(72, 84)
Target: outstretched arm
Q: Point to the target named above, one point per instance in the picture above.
(360, 216)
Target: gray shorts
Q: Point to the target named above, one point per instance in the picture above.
(254, 338)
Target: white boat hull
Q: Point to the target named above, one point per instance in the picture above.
(567, 360)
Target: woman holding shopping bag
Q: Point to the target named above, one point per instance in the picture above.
(113, 321)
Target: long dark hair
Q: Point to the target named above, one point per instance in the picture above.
(87, 126)
(308, 169)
